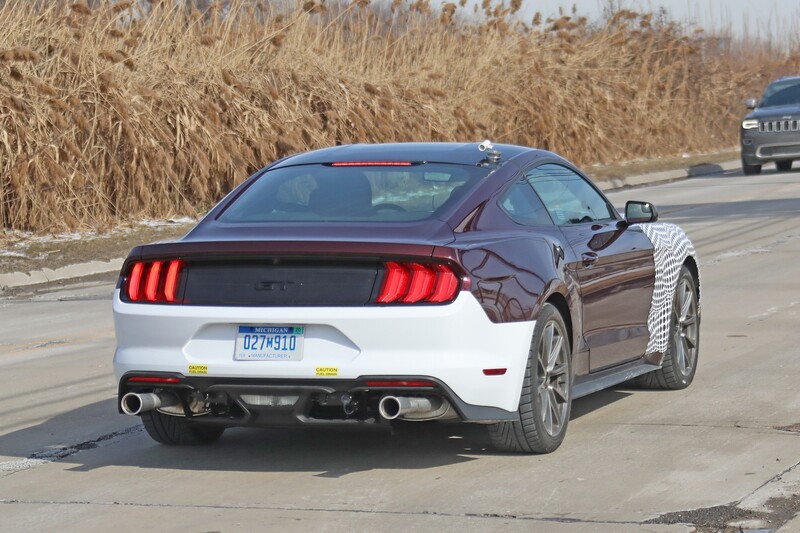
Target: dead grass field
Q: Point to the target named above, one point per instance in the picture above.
(131, 110)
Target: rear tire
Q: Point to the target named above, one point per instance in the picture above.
(783, 166)
(177, 430)
(750, 170)
(546, 398)
(680, 361)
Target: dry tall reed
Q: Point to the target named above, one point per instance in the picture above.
(126, 110)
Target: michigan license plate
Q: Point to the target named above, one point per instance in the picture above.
(269, 343)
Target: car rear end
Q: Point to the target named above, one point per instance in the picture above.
(327, 318)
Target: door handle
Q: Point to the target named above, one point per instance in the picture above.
(589, 259)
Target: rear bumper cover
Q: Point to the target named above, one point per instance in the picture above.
(451, 344)
(306, 391)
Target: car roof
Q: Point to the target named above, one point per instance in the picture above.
(434, 152)
(788, 78)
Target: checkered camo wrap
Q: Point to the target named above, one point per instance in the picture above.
(671, 247)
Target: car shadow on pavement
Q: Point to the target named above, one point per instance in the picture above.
(111, 440)
(598, 400)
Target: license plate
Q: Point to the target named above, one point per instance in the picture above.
(269, 343)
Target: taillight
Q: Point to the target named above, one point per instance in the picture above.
(154, 281)
(134, 282)
(410, 283)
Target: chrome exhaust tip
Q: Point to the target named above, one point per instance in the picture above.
(135, 404)
(413, 408)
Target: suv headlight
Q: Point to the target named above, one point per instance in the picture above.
(749, 124)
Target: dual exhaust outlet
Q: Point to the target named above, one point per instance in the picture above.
(390, 407)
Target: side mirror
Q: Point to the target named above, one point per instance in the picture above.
(640, 212)
(750, 103)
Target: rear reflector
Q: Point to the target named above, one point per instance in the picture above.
(494, 371)
(411, 283)
(152, 379)
(154, 282)
(371, 164)
(401, 383)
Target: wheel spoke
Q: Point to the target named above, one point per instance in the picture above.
(555, 351)
(549, 331)
(680, 355)
(547, 413)
(556, 413)
(560, 391)
(686, 302)
(691, 343)
(687, 363)
(558, 370)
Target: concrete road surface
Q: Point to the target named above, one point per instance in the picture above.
(725, 452)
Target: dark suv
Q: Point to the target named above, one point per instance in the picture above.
(771, 132)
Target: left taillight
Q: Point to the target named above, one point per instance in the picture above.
(153, 281)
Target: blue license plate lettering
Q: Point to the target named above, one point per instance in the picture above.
(269, 343)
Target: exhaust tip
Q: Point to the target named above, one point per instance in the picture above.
(135, 403)
(389, 407)
(131, 404)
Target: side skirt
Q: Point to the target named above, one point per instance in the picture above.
(585, 385)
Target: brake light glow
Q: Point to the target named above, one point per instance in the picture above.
(154, 282)
(395, 284)
(171, 284)
(152, 379)
(135, 281)
(371, 164)
(421, 286)
(411, 283)
(400, 383)
(446, 284)
(153, 275)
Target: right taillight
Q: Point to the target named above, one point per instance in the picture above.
(153, 281)
(410, 283)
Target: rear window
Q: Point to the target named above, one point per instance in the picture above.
(312, 193)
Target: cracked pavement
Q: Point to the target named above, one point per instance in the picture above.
(719, 456)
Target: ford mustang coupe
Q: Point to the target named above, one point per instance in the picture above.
(355, 285)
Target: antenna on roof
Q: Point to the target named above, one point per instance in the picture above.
(492, 155)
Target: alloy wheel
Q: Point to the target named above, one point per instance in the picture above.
(685, 333)
(552, 378)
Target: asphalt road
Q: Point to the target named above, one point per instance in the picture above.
(725, 450)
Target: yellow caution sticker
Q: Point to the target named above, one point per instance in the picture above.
(198, 369)
(327, 371)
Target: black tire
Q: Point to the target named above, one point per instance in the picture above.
(178, 431)
(545, 386)
(680, 361)
(783, 166)
(750, 170)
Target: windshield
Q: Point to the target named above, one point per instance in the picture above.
(357, 192)
(781, 93)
